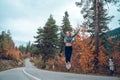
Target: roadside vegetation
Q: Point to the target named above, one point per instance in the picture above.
(51, 57)
(10, 56)
(91, 43)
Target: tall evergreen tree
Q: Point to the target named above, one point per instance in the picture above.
(89, 16)
(89, 13)
(66, 26)
(47, 39)
(96, 18)
(50, 37)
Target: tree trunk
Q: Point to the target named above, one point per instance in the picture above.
(96, 27)
(96, 35)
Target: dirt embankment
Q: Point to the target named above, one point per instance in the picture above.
(9, 64)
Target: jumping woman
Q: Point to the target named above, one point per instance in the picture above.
(68, 39)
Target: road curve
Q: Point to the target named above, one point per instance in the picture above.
(49, 75)
(29, 72)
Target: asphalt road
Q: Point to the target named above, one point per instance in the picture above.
(29, 72)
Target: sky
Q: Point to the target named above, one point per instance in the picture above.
(24, 17)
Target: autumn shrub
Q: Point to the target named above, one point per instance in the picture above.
(14, 54)
(83, 57)
(82, 54)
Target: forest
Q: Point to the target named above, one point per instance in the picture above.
(94, 40)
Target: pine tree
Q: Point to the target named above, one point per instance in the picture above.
(103, 18)
(89, 11)
(95, 16)
(50, 37)
(66, 26)
(47, 39)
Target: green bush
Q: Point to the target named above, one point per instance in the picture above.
(43, 65)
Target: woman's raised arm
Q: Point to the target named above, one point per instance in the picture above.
(76, 32)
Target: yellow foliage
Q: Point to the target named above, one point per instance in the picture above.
(86, 57)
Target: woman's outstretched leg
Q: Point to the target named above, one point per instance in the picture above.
(68, 53)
